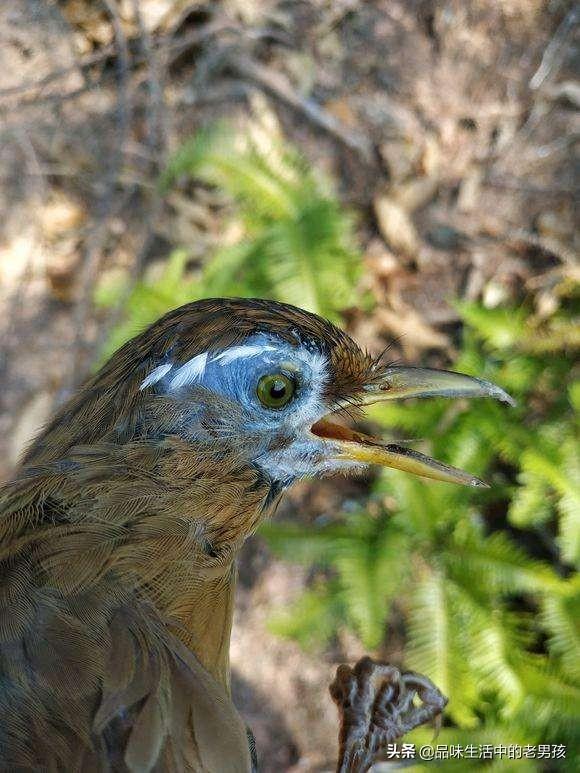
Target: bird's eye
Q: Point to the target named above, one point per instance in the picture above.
(275, 390)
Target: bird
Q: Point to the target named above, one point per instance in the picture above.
(120, 528)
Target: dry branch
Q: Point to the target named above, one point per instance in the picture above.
(278, 85)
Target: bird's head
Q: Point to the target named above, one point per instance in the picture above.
(261, 380)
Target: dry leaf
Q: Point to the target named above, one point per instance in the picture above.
(431, 158)
(396, 227)
(567, 92)
(91, 19)
(156, 14)
(557, 225)
(547, 304)
(60, 215)
(470, 189)
(495, 294)
(415, 193)
(341, 109)
(380, 261)
(401, 157)
(415, 334)
(28, 423)
(61, 273)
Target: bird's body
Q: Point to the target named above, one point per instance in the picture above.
(119, 533)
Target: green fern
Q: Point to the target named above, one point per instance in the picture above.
(296, 245)
(510, 675)
(312, 619)
(148, 300)
(561, 621)
(363, 553)
(435, 642)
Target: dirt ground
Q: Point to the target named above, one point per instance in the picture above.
(448, 126)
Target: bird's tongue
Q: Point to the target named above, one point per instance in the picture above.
(357, 446)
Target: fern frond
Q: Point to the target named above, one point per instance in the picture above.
(569, 504)
(500, 328)
(371, 575)
(531, 503)
(311, 620)
(561, 618)
(569, 537)
(299, 244)
(491, 637)
(551, 701)
(499, 566)
(310, 261)
(150, 299)
(307, 544)
(574, 395)
(433, 647)
(418, 418)
(559, 334)
(463, 746)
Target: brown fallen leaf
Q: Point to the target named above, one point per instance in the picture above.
(62, 268)
(31, 418)
(470, 189)
(401, 157)
(380, 260)
(396, 227)
(415, 334)
(415, 193)
(59, 216)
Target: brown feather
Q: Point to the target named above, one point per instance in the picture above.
(117, 560)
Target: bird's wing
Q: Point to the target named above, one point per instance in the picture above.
(91, 679)
(184, 722)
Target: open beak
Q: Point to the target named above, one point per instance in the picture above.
(397, 383)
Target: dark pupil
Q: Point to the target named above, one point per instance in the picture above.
(277, 389)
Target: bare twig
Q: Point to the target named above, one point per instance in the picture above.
(105, 205)
(61, 72)
(232, 91)
(494, 180)
(276, 84)
(57, 98)
(156, 128)
(156, 144)
(556, 50)
(174, 46)
(273, 82)
(551, 246)
(178, 46)
(34, 167)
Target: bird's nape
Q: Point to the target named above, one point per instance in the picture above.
(395, 383)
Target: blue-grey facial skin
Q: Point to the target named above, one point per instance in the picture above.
(219, 404)
(237, 379)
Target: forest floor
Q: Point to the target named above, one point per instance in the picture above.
(449, 128)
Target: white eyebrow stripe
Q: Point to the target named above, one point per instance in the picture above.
(236, 352)
(193, 369)
(156, 375)
(189, 371)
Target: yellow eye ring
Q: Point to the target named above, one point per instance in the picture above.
(275, 390)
